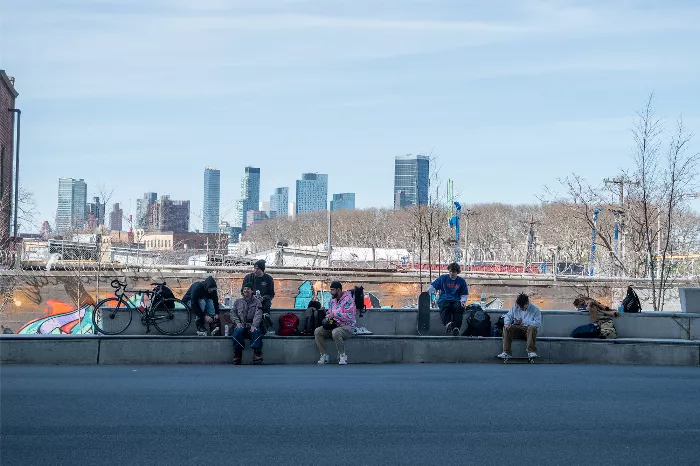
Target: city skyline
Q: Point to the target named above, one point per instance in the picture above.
(498, 92)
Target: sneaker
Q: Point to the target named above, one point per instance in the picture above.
(257, 357)
(504, 355)
(448, 327)
(455, 331)
(216, 331)
(343, 360)
(237, 357)
(323, 359)
(532, 355)
(201, 332)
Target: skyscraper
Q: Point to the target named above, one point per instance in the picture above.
(250, 195)
(142, 212)
(72, 203)
(212, 196)
(343, 201)
(115, 218)
(279, 203)
(168, 215)
(96, 210)
(412, 176)
(312, 193)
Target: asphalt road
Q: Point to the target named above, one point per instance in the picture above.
(361, 415)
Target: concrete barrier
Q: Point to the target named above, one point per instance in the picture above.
(16, 349)
(42, 349)
(655, 325)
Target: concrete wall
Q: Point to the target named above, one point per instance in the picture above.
(19, 349)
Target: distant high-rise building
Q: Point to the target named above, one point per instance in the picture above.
(115, 218)
(279, 203)
(169, 215)
(343, 201)
(142, 210)
(212, 196)
(412, 176)
(8, 94)
(97, 210)
(72, 205)
(254, 216)
(250, 195)
(312, 193)
(399, 199)
(46, 230)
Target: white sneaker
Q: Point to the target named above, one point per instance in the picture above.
(532, 355)
(343, 359)
(323, 359)
(448, 327)
(504, 355)
(216, 331)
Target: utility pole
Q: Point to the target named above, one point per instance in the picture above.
(529, 253)
(467, 213)
(620, 181)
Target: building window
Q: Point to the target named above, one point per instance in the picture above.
(2, 172)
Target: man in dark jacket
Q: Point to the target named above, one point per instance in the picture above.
(203, 300)
(263, 285)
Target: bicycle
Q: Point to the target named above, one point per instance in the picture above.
(111, 316)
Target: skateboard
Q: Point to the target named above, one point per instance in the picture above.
(519, 359)
(424, 313)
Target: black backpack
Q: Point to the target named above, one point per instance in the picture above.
(631, 302)
(313, 317)
(358, 294)
(163, 296)
(478, 322)
(498, 326)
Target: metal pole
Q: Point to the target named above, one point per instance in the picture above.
(330, 247)
(19, 119)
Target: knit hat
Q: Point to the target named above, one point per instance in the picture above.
(260, 264)
(246, 285)
(336, 284)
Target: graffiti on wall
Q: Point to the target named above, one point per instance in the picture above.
(306, 293)
(61, 318)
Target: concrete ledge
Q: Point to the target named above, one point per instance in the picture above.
(20, 349)
(373, 349)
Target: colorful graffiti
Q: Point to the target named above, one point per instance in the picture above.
(65, 319)
(306, 293)
(61, 318)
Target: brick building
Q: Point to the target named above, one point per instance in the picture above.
(115, 218)
(173, 241)
(7, 151)
(168, 215)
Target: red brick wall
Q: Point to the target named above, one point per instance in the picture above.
(7, 100)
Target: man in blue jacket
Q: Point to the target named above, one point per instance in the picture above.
(453, 298)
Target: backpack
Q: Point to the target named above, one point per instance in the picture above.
(478, 322)
(631, 302)
(498, 326)
(358, 294)
(313, 318)
(162, 296)
(288, 325)
(607, 329)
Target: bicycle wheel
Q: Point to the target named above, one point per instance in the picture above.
(171, 316)
(111, 316)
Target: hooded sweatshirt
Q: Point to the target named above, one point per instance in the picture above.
(265, 284)
(530, 316)
(342, 310)
(200, 290)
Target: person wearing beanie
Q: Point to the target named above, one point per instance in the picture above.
(338, 324)
(246, 316)
(203, 300)
(262, 283)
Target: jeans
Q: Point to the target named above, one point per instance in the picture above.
(451, 311)
(207, 305)
(240, 334)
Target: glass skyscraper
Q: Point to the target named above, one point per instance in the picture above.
(312, 193)
(212, 197)
(343, 201)
(250, 195)
(72, 205)
(279, 203)
(412, 179)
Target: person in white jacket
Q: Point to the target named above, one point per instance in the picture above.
(522, 321)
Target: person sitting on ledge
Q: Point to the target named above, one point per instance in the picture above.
(203, 300)
(601, 325)
(522, 321)
(246, 316)
(338, 324)
(453, 298)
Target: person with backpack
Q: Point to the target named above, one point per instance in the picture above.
(203, 300)
(601, 325)
(246, 316)
(453, 291)
(522, 321)
(339, 323)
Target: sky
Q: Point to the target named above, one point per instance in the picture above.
(509, 96)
